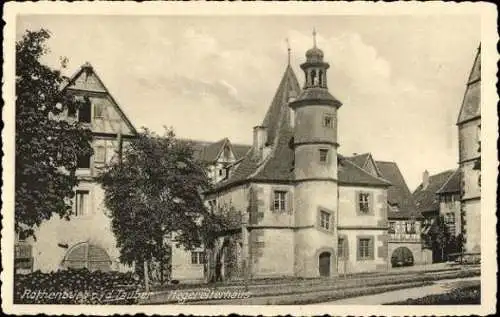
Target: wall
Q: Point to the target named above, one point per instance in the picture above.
(420, 256)
(353, 225)
(56, 236)
(472, 225)
(310, 240)
(183, 269)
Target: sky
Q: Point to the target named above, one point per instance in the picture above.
(401, 79)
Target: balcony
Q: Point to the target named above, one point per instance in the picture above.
(404, 237)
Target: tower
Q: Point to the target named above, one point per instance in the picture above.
(315, 168)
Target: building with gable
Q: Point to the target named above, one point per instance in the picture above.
(86, 240)
(307, 210)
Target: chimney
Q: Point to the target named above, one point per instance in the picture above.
(259, 140)
(425, 179)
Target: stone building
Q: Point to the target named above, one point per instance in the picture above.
(307, 210)
(469, 137)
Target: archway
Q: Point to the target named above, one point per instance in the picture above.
(402, 256)
(324, 264)
(86, 255)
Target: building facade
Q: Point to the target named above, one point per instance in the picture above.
(308, 211)
(86, 240)
(469, 137)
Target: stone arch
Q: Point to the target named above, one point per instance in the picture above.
(402, 256)
(87, 255)
(321, 257)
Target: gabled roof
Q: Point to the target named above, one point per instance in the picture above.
(426, 198)
(86, 80)
(452, 185)
(471, 104)
(350, 173)
(207, 151)
(398, 194)
(364, 160)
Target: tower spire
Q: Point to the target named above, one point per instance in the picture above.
(288, 49)
(314, 36)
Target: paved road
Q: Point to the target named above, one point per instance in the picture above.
(439, 287)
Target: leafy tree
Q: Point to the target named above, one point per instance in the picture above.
(46, 148)
(155, 192)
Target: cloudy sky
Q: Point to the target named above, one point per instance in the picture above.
(401, 78)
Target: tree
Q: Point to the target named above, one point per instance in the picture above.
(46, 148)
(155, 192)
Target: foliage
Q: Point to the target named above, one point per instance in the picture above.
(77, 287)
(46, 149)
(153, 193)
(469, 295)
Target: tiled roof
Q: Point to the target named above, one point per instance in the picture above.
(471, 104)
(452, 185)
(426, 199)
(278, 166)
(351, 174)
(359, 159)
(240, 150)
(398, 194)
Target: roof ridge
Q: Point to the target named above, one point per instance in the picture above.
(447, 181)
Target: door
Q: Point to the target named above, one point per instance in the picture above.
(324, 264)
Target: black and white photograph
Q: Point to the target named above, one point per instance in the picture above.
(249, 159)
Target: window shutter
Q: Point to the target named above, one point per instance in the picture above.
(356, 200)
(371, 206)
(358, 250)
(371, 248)
(289, 202)
(271, 200)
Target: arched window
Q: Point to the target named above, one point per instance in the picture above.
(313, 78)
(86, 255)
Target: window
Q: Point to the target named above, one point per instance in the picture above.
(81, 202)
(279, 201)
(84, 111)
(324, 219)
(220, 172)
(364, 204)
(100, 154)
(410, 227)
(98, 111)
(71, 111)
(83, 161)
(341, 252)
(323, 155)
(328, 121)
(197, 257)
(364, 248)
(392, 227)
